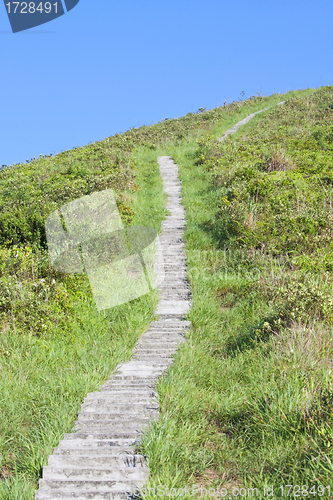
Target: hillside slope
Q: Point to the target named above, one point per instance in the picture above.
(248, 403)
(55, 347)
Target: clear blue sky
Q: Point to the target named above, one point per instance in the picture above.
(106, 66)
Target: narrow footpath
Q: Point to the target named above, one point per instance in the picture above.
(97, 460)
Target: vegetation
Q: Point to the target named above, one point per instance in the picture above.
(54, 345)
(249, 401)
(242, 405)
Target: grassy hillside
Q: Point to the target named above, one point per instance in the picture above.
(249, 401)
(55, 347)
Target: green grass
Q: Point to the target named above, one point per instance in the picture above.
(53, 353)
(249, 400)
(237, 405)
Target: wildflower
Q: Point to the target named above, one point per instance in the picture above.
(42, 280)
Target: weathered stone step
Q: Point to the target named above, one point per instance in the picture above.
(141, 353)
(135, 376)
(49, 494)
(111, 396)
(76, 460)
(167, 335)
(175, 329)
(151, 374)
(110, 418)
(123, 409)
(98, 434)
(91, 486)
(95, 473)
(101, 451)
(139, 383)
(130, 385)
(114, 444)
(99, 427)
(157, 351)
(156, 342)
(170, 323)
(127, 391)
(155, 359)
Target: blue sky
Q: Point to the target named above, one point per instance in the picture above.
(107, 66)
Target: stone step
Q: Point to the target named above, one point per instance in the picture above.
(157, 351)
(95, 461)
(131, 385)
(111, 396)
(91, 486)
(170, 323)
(135, 376)
(154, 342)
(94, 473)
(167, 333)
(100, 411)
(127, 391)
(159, 333)
(155, 359)
(99, 434)
(113, 444)
(149, 372)
(50, 494)
(101, 451)
(110, 418)
(101, 426)
(123, 409)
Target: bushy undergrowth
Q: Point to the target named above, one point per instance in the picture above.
(249, 401)
(273, 192)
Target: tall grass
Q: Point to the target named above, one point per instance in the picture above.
(56, 347)
(248, 402)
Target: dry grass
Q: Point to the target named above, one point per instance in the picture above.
(279, 161)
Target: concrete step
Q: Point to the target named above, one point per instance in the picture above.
(87, 460)
(156, 351)
(108, 419)
(49, 494)
(135, 376)
(138, 382)
(99, 451)
(169, 323)
(116, 444)
(156, 343)
(124, 406)
(138, 391)
(149, 348)
(130, 385)
(166, 336)
(127, 391)
(99, 434)
(155, 359)
(104, 426)
(111, 396)
(91, 486)
(95, 473)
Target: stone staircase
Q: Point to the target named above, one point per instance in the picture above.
(97, 461)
